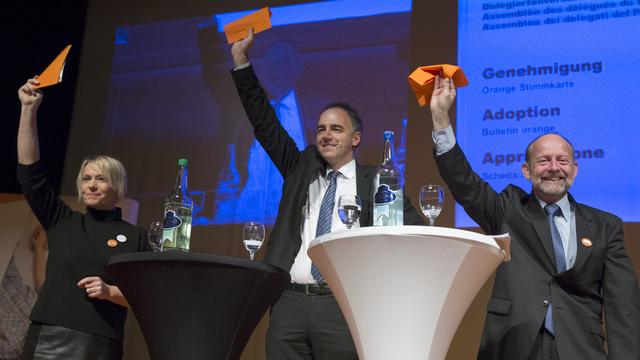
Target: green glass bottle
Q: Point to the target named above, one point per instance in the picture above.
(178, 208)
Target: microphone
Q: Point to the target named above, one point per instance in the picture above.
(340, 144)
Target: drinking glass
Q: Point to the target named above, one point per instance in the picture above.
(431, 201)
(155, 235)
(252, 237)
(349, 207)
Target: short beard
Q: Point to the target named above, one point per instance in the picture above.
(553, 190)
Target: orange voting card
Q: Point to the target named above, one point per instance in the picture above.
(239, 29)
(52, 75)
(423, 78)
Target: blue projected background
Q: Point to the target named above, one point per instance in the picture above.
(565, 66)
(171, 88)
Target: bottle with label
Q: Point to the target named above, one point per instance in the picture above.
(388, 199)
(177, 213)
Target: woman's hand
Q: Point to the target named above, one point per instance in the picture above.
(28, 95)
(28, 147)
(95, 287)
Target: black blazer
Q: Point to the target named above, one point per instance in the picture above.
(298, 169)
(601, 280)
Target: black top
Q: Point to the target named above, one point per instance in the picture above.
(77, 248)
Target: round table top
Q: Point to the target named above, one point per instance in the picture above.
(410, 230)
(176, 256)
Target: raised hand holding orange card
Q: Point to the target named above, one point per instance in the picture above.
(52, 75)
(422, 79)
(239, 29)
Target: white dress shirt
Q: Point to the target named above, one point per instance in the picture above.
(345, 185)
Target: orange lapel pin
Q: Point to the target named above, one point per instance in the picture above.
(586, 242)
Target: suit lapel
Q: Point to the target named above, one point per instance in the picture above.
(584, 230)
(539, 222)
(363, 184)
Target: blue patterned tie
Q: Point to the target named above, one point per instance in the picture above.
(552, 211)
(324, 218)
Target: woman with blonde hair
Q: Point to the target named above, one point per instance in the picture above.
(79, 314)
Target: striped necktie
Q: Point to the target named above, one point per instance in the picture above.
(552, 211)
(324, 218)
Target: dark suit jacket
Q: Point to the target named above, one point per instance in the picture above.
(601, 279)
(298, 169)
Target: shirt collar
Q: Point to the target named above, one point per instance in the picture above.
(348, 170)
(563, 203)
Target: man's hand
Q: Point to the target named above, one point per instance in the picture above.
(30, 97)
(240, 49)
(444, 93)
(504, 242)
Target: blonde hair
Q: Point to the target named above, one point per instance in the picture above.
(111, 169)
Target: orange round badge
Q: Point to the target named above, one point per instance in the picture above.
(586, 242)
(112, 242)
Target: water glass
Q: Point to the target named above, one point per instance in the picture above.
(154, 236)
(252, 237)
(349, 208)
(431, 201)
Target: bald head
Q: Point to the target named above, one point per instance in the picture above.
(527, 155)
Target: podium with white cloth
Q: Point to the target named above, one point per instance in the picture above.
(404, 289)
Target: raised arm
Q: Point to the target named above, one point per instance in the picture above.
(268, 130)
(477, 197)
(30, 98)
(41, 197)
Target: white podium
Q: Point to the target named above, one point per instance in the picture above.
(404, 289)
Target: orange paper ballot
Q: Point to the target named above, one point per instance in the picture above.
(239, 29)
(52, 75)
(423, 78)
